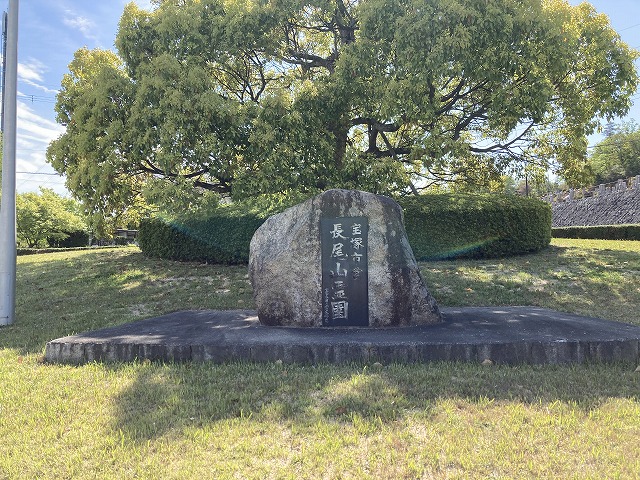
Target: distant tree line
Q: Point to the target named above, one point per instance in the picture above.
(46, 219)
(618, 155)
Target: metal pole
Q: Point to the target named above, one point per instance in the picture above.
(8, 242)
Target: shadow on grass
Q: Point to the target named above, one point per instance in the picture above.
(75, 293)
(67, 293)
(170, 398)
(597, 283)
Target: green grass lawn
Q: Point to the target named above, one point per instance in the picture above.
(242, 420)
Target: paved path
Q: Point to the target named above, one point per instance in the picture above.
(501, 334)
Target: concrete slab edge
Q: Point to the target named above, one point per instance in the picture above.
(524, 352)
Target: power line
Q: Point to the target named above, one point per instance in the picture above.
(37, 98)
(628, 28)
(37, 172)
(48, 182)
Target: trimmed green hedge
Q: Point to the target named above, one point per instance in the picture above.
(602, 232)
(438, 226)
(79, 238)
(475, 226)
(222, 238)
(37, 251)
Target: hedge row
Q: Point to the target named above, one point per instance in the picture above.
(603, 232)
(78, 238)
(36, 251)
(475, 226)
(221, 238)
(438, 226)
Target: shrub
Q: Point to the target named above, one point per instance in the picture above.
(121, 241)
(438, 226)
(37, 251)
(222, 238)
(475, 226)
(78, 238)
(602, 232)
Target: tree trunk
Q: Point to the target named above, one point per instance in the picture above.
(340, 136)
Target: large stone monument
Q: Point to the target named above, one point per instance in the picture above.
(339, 259)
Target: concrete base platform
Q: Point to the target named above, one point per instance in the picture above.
(506, 335)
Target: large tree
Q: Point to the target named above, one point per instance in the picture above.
(252, 96)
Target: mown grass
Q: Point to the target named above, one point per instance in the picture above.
(242, 420)
(70, 292)
(598, 278)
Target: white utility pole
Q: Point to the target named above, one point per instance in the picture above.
(8, 242)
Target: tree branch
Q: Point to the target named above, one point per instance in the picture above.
(380, 127)
(503, 146)
(308, 60)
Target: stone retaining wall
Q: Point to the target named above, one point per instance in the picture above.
(616, 205)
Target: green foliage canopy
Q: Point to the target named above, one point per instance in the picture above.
(618, 155)
(247, 97)
(44, 216)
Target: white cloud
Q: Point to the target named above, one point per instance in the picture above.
(34, 133)
(32, 73)
(84, 25)
(42, 129)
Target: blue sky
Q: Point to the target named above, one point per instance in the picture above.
(50, 31)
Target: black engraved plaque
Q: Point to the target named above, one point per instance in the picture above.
(345, 277)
